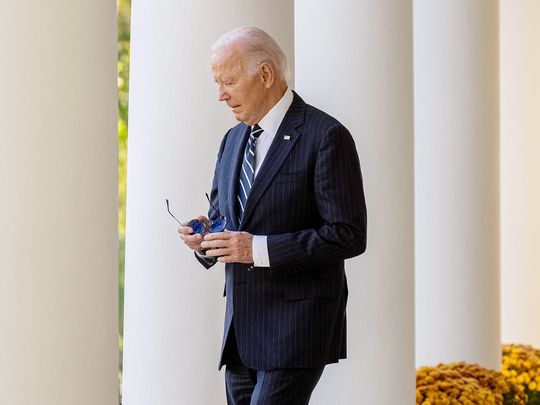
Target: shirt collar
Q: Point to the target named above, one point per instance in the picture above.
(272, 120)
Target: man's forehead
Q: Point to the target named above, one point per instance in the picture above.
(228, 58)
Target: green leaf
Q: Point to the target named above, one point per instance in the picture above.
(508, 399)
(534, 398)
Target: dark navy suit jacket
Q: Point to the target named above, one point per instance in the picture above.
(308, 198)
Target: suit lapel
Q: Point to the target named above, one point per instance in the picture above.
(282, 145)
(232, 175)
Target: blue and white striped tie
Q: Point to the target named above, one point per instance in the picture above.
(248, 170)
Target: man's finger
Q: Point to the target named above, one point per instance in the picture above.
(218, 252)
(226, 259)
(192, 241)
(218, 235)
(184, 230)
(197, 238)
(218, 243)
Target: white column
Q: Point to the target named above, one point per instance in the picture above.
(354, 60)
(174, 307)
(457, 182)
(520, 171)
(58, 205)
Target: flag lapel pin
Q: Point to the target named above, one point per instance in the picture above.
(287, 137)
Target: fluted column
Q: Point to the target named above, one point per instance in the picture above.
(354, 60)
(58, 205)
(457, 182)
(520, 171)
(174, 307)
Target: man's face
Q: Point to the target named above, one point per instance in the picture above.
(244, 93)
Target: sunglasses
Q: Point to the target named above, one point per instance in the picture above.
(198, 226)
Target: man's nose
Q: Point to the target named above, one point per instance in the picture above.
(222, 94)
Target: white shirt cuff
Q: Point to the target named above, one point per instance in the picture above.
(260, 251)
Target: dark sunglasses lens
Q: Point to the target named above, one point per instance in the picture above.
(218, 225)
(197, 226)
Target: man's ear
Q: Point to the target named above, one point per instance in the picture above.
(267, 74)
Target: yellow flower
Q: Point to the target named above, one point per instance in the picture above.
(521, 364)
(462, 383)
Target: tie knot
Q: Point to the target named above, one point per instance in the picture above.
(256, 130)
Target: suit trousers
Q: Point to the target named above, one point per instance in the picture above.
(245, 386)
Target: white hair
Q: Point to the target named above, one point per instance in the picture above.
(257, 47)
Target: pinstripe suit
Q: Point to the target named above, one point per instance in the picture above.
(308, 198)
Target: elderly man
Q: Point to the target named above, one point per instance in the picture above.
(288, 180)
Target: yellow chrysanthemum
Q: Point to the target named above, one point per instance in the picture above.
(461, 383)
(521, 364)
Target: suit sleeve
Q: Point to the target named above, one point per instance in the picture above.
(208, 261)
(339, 194)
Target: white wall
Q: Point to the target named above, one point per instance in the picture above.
(520, 170)
(58, 205)
(457, 181)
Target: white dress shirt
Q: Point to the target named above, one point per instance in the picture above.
(269, 124)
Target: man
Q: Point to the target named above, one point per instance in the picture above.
(288, 180)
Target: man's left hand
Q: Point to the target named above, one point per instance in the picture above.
(229, 246)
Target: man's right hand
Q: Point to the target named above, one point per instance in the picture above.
(192, 240)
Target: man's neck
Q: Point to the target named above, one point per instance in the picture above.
(275, 95)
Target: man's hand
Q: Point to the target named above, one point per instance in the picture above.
(192, 240)
(229, 246)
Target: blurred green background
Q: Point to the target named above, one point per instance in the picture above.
(124, 18)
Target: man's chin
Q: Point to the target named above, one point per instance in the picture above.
(239, 117)
(242, 118)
